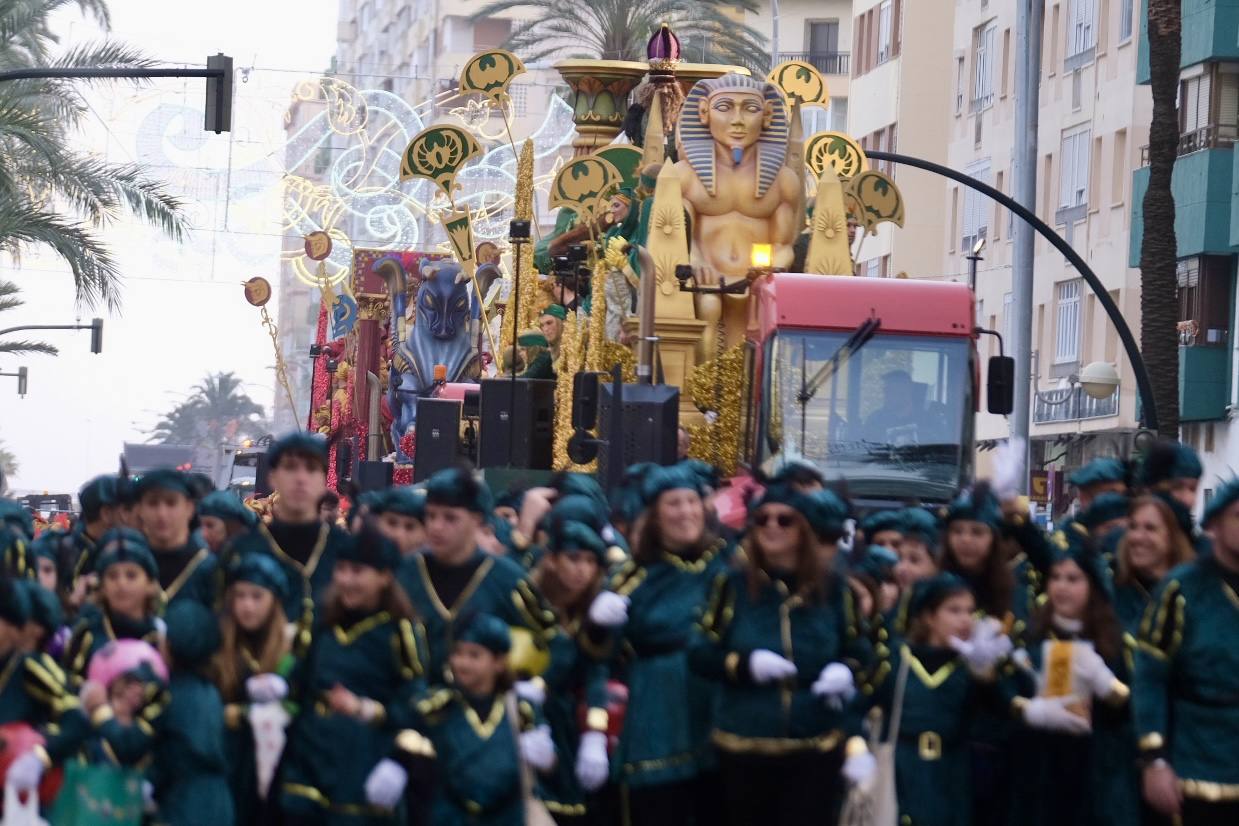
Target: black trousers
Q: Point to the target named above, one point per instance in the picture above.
(1204, 813)
(667, 804)
(804, 789)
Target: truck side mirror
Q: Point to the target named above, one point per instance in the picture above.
(1000, 385)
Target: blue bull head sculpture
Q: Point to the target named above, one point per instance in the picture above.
(442, 333)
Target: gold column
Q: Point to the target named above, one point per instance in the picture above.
(600, 91)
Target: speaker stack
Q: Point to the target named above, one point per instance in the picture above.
(517, 423)
(650, 416)
(436, 435)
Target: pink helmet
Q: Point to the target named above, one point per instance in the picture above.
(119, 657)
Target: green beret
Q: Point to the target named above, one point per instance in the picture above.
(45, 608)
(369, 547)
(580, 484)
(200, 485)
(406, 501)
(1166, 460)
(626, 501)
(193, 633)
(513, 498)
(46, 545)
(660, 479)
(1105, 508)
(17, 516)
(568, 535)
(826, 513)
(780, 493)
(877, 561)
(259, 569)
(163, 479)
(487, 631)
(798, 472)
(14, 603)
(881, 520)
(306, 444)
(591, 513)
(1224, 496)
(459, 488)
(1182, 515)
(226, 505)
(373, 501)
(125, 545)
(502, 529)
(556, 311)
(929, 594)
(975, 505)
(532, 339)
(1099, 471)
(1075, 545)
(919, 524)
(98, 493)
(706, 472)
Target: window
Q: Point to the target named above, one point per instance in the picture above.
(976, 208)
(983, 43)
(959, 84)
(1006, 60)
(998, 208)
(838, 114)
(1008, 320)
(1127, 17)
(1204, 300)
(1067, 324)
(823, 39)
(885, 31)
(1118, 184)
(1074, 170)
(1194, 108)
(1083, 31)
(1209, 107)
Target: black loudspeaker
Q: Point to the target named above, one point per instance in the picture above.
(585, 400)
(262, 482)
(517, 423)
(436, 435)
(374, 475)
(650, 416)
(344, 460)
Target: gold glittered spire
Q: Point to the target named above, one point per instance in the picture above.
(522, 211)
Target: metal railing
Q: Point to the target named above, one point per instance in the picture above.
(1213, 136)
(1078, 405)
(828, 63)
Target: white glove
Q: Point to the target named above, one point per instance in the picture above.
(1051, 714)
(266, 688)
(531, 691)
(985, 647)
(1092, 672)
(859, 768)
(593, 767)
(385, 784)
(768, 667)
(25, 772)
(609, 610)
(537, 748)
(149, 806)
(835, 685)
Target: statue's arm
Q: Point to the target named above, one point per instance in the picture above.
(783, 229)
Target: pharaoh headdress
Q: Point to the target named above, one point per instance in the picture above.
(697, 146)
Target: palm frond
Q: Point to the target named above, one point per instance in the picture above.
(95, 273)
(21, 348)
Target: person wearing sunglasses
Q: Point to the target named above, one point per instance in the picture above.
(781, 636)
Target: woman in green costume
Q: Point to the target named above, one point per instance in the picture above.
(1153, 545)
(943, 691)
(353, 688)
(783, 638)
(127, 599)
(1069, 778)
(664, 761)
(251, 667)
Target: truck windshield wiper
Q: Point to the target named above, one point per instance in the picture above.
(809, 386)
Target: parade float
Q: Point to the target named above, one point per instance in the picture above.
(701, 242)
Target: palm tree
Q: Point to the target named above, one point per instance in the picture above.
(8, 463)
(1158, 247)
(619, 29)
(50, 193)
(216, 413)
(10, 301)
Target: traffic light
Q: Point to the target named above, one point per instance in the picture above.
(96, 335)
(219, 95)
(21, 381)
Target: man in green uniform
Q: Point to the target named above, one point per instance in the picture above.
(305, 545)
(538, 360)
(551, 324)
(165, 506)
(75, 551)
(1186, 693)
(1104, 475)
(452, 578)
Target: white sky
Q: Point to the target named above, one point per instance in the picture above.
(183, 314)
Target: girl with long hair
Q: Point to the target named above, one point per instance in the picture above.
(1079, 771)
(783, 638)
(251, 667)
(651, 604)
(1154, 543)
(353, 685)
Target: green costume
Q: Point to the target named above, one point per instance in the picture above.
(1186, 688)
(306, 552)
(542, 367)
(190, 572)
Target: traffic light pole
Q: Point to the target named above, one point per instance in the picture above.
(95, 327)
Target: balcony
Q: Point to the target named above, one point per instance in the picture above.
(1079, 405)
(1203, 193)
(1203, 389)
(828, 63)
(1213, 136)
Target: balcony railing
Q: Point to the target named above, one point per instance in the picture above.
(1213, 136)
(1079, 405)
(828, 63)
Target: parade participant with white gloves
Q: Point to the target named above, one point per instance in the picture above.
(781, 636)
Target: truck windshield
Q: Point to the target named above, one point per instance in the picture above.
(892, 419)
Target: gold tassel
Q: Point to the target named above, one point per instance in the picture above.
(597, 317)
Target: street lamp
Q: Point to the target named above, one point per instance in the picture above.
(973, 258)
(1100, 380)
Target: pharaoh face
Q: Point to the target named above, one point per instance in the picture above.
(735, 117)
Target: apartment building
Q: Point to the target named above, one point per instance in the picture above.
(1093, 119)
(1206, 192)
(898, 97)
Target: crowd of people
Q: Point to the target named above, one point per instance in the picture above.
(437, 655)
